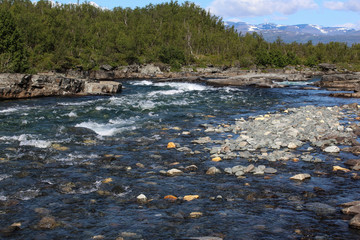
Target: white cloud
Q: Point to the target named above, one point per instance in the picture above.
(351, 5)
(252, 8)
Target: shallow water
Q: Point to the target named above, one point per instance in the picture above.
(55, 153)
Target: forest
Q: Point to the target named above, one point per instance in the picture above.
(41, 36)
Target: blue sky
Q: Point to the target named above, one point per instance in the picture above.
(288, 12)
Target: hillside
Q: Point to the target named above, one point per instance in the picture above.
(44, 36)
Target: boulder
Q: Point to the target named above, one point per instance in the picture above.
(341, 82)
(13, 86)
(150, 70)
(102, 88)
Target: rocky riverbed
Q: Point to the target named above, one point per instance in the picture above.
(170, 160)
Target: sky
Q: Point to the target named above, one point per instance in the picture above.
(327, 13)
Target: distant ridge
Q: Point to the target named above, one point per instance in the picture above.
(301, 33)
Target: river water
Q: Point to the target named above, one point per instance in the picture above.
(84, 160)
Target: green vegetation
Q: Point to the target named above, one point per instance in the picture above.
(44, 36)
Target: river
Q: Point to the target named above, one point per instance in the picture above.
(84, 160)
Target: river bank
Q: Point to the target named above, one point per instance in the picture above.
(106, 81)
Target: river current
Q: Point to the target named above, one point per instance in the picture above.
(84, 160)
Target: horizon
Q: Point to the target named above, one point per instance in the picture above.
(325, 13)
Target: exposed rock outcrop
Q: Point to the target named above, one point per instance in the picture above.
(42, 85)
(341, 82)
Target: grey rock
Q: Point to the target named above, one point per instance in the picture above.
(320, 208)
(270, 170)
(213, 171)
(301, 177)
(332, 149)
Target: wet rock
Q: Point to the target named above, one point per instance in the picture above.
(195, 214)
(174, 172)
(352, 162)
(355, 222)
(249, 168)
(47, 223)
(7, 231)
(184, 149)
(202, 140)
(171, 145)
(141, 198)
(353, 210)
(270, 170)
(320, 208)
(355, 150)
(213, 171)
(338, 168)
(216, 159)
(190, 197)
(332, 149)
(98, 237)
(301, 177)
(191, 168)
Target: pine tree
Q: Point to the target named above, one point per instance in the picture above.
(12, 54)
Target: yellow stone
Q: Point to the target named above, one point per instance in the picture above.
(195, 214)
(171, 145)
(216, 159)
(176, 128)
(107, 180)
(108, 155)
(59, 147)
(338, 168)
(210, 116)
(89, 141)
(165, 129)
(308, 119)
(267, 115)
(191, 197)
(286, 111)
(259, 118)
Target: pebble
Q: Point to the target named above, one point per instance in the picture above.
(171, 145)
(301, 177)
(141, 198)
(195, 214)
(213, 171)
(174, 172)
(338, 168)
(190, 197)
(332, 149)
(270, 170)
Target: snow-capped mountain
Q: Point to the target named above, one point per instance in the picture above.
(301, 33)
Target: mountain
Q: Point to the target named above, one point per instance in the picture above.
(301, 33)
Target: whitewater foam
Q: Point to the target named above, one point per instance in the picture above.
(111, 128)
(142, 83)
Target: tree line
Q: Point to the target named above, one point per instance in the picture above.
(41, 36)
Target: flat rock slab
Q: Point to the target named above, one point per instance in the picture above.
(301, 177)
